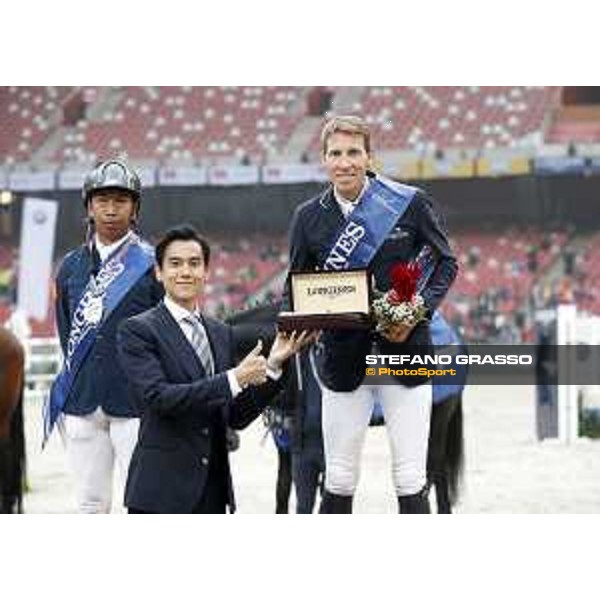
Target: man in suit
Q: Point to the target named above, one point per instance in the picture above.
(181, 369)
(99, 284)
(366, 221)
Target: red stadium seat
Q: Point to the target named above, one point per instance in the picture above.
(28, 115)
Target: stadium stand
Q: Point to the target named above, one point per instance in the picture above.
(491, 126)
(28, 115)
(575, 124)
(187, 123)
(254, 124)
(498, 275)
(431, 118)
(582, 277)
(240, 268)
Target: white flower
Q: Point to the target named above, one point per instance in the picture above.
(387, 313)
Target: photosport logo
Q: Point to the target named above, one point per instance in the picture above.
(491, 365)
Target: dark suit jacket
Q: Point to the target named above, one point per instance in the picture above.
(100, 381)
(341, 356)
(184, 414)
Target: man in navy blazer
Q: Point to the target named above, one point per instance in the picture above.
(327, 224)
(181, 369)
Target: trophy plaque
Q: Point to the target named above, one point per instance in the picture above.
(327, 300)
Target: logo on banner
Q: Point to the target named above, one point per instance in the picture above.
(40, 217)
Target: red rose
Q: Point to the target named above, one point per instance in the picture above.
(404, 279)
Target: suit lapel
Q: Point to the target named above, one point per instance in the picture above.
(220, 349)
(182, 349)
(330, 211)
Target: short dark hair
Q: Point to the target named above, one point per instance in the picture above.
(182, 233)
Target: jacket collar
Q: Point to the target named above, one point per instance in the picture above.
(331, 209)
(175, 338)
(181, 346)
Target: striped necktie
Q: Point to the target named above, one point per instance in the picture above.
(199, 341)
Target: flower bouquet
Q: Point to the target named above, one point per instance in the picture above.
(401, 304)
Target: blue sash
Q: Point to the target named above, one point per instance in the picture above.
(442, 334)
(427, 262)
(366, 228)
(103, 293)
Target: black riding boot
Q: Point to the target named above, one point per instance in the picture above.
(415, 504)
(442, 496)
(335, 504)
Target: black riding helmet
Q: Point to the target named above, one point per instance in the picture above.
(112, 174)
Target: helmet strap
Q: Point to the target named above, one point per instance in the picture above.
(89, 230)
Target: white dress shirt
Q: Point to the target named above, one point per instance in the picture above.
(347, 206)
(180, 315)
(105, 250)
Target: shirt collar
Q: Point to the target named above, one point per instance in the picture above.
(105, 250)
(178, 312)
(345, 205)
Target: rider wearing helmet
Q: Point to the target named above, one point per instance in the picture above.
(112, 176)
(106, 280)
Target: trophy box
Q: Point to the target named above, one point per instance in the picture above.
(327, 300)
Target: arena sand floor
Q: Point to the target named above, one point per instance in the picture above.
(507, 469)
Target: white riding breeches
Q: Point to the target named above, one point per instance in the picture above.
(92, 443)
(346, 417)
